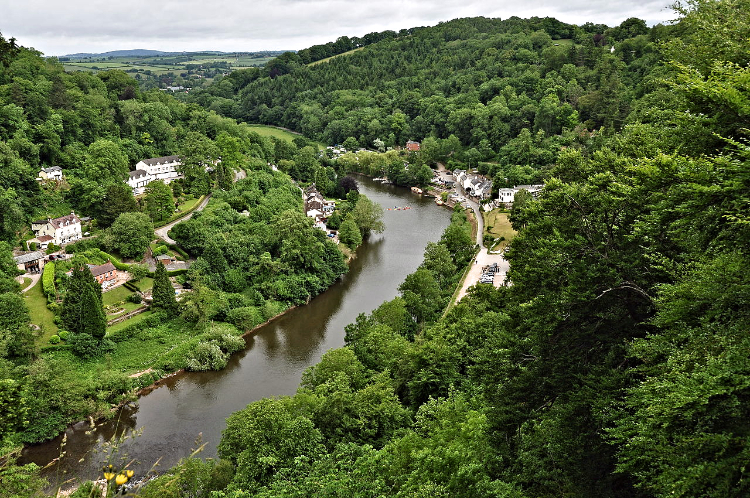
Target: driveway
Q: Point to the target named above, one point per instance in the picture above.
(484, 258)
(162, 232)
(34, 279)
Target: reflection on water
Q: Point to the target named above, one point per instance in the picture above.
(193, 405)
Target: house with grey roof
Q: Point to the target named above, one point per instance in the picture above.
(157, 168)
(30, 262)
(53, 173)
(62, 230)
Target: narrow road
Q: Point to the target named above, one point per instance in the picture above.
(162, 232)
(484, 258)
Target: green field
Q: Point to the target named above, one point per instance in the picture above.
(272, 131)
(496, 223)
(334, 56)
(40, 314)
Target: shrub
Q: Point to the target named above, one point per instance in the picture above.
(63, 334)
(83, 245)
(159, 250)
(55, 339)
(48, 279)
(135, 298)
(207, 356)
(53, 306)
(137, 271)
(245, 317)
(225, 336)
(84, 346)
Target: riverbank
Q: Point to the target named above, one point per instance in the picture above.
(274, 360)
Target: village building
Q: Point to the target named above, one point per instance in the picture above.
(42, 242)
(104, 273)
(31, 262)
(53, 173)
(165, 169)
(506, 195)
(412, 146)
(62, 230)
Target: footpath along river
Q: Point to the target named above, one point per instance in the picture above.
(190, 406)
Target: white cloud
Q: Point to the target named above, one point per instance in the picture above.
(58, 28)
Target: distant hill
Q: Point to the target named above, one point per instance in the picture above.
(139, 52)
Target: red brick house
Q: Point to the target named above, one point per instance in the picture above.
(412, 146)
(104, 273)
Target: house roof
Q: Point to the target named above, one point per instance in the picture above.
(101, 269)
(45, 238)
(52, 169)
(63, 221)
(29, 256)
(161, 160)
(139, 173)
(164, 257)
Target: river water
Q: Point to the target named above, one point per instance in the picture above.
(192, 407)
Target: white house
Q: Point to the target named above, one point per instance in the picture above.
(62, 230)
(157, 168)
(51, 173)
(506, 195)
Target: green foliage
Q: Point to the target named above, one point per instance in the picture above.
(163, 292)
(48, 279)
(349, 233)
(130, 235)
(54, 339)
(159, 201)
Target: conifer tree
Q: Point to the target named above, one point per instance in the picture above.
(93, 321)
(73, 306)
(163, 292)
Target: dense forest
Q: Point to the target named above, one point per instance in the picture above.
(616, 364)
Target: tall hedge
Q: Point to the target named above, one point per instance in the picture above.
(48, 279)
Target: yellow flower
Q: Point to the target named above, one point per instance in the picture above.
(121, 479)
(109, 475)
(129, 473)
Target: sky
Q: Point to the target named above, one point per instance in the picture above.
(61, 27)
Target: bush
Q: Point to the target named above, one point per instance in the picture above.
(53, 306)
(48, 279)
(245, 317)
(135, 298)
(207, 356)
(55, 339)
(83, 245)
(159, 250)
(63, 334)
(137, 271)
(84, 346)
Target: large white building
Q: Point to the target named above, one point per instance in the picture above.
(62, 230)
(157, 168)
(506, 195)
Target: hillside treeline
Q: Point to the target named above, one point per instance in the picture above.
(488, 82)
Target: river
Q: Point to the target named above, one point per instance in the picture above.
(193, 406)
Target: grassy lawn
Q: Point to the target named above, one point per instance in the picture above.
(334, 56)
(40, 315)
(188, 205)
(115, 295)
(127, 323)
(25, 282)
(272, 131)
(496, 223)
